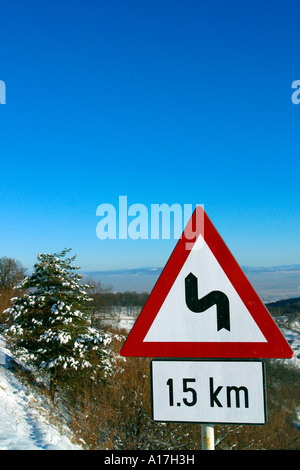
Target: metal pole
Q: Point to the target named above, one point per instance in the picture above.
(207, 435)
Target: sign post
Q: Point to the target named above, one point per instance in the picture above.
(208, 437)
(203, 307)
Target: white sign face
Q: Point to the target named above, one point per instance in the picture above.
(208, 391)
(188, 326)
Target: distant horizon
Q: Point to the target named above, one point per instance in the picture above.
(255, 267)
(271, 284)
(271, 268)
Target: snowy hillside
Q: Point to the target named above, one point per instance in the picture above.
(24, 418)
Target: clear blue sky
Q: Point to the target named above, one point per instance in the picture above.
(162, 101)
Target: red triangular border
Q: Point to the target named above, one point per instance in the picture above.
(276, 345)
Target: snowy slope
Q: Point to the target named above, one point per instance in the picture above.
(291, 331)
(24, 421)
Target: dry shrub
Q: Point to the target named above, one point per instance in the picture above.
(114, 412)
(280, 432)
(277, 434)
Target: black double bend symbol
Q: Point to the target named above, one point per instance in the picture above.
(215, 297)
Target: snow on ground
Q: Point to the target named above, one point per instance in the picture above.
(24, 420)
(291, 332)
(24, 417)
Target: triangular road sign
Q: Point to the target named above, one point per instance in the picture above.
(204, 306)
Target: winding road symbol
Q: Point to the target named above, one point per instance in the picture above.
(237, 325)
(215, 297)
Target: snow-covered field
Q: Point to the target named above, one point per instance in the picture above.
(24, 418)
(291, 332)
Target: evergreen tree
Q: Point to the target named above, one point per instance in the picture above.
(50, 324)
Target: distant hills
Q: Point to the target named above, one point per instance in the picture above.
(289, 305)
(271, 283)
(124, 272)
(272, 269)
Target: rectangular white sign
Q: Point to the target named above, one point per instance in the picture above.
(208, 391)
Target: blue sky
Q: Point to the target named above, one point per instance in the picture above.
(162, 101)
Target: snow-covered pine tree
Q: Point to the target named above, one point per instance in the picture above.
(50, 324)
